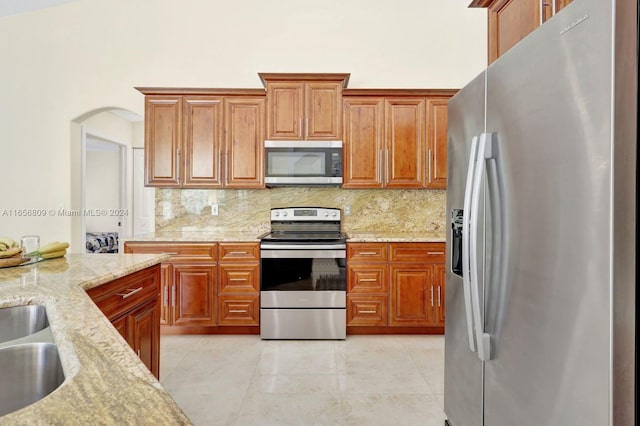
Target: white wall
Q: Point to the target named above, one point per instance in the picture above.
(61, 62)
(103, 191)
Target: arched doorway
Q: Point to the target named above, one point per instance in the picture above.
(102, 142)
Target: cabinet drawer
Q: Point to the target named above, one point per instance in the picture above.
(239, 278)
(367, 279)
(367, 252)
(181, 252)
(239, 310)
(367, 310)
(123, 294)
(417, 252)
(241, 252)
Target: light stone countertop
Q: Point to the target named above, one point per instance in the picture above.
(197, 236)
(384, 237)
(105, 382)
(237, 236)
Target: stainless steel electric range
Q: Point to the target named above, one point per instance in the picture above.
(303, 275)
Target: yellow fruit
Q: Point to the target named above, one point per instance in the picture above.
(50, 248)
(53, 254)
(15, 251)
(8, 242)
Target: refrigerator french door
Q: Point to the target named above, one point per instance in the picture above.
(541, 211)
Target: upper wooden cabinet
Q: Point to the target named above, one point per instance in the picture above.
(304, 106)
(437, 143)
(204, 138)
(395, 138)
(512, 20)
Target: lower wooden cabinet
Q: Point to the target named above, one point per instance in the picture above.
(396, 286)
(207, 286)
(132, 304)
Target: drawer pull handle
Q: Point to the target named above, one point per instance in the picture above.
(138, 352)
(368, 280)
(368, 312)
(172, 253)
(237, 279)
(368, 253)
(237, 252)
(435, 252)
(237, 311)
(130, 292)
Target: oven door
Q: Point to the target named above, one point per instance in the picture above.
(303, 278)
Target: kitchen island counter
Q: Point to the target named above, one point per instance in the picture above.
(105, 382)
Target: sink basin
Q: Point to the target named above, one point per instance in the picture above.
(21, 321)
(29, 372)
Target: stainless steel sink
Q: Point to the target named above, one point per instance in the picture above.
(21, 321)
(29, 372)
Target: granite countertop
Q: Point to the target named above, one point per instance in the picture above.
(236, 236)
(197, 236)
(105, 382)
(384, 237)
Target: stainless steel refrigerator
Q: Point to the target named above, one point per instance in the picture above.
(541, 215)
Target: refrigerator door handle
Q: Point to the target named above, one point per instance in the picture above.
(466, 278)
(482, 339)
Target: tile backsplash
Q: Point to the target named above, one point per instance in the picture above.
(379, 210)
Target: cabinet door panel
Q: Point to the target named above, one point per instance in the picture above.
(439, 279)
(203, 139)
(285, 110)
(437, 143)
(363, 143)
(145, 334)
(323, 114)
(166, 285)
(405, 142)
(509, 22)
(162, 140)
(194, 294)
(411, 295)
(245, 134)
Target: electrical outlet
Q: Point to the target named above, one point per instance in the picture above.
(214, 210)
(347, 210)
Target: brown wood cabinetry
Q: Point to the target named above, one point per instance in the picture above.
(304, 106)
(367, 284)
(239, 284)
(395, 287)
(132, 304)
(204, 138)
(512, 20)
(206, 286)
(415, 296)
(395, 138)
(189, 281)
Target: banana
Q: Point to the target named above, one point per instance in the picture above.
(15, 251)
(50, 248)
(8, 242)
(3, 247)
(54, 254)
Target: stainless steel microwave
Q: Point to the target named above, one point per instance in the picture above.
(303, 163)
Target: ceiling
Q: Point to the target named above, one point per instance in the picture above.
(13, 7)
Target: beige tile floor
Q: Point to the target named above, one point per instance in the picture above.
(364, 380)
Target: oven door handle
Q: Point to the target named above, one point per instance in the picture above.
(268, 246)
(323, 253)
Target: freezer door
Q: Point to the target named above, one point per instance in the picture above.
(463, 368)
(548, 309)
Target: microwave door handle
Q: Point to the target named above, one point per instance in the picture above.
(466, 278)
